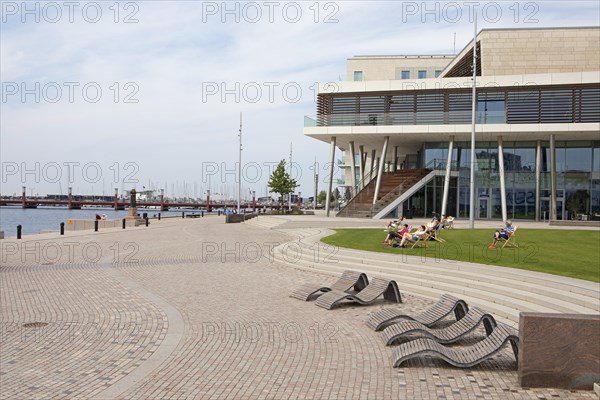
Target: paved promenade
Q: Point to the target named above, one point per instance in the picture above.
(200, 309)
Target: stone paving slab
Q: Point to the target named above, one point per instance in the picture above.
(215, 289)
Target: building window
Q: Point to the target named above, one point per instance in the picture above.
(358, 76)
(438, 72)
(422, 74)
(405, 75)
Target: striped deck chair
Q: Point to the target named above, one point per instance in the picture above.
(434, 234)
(421, 240)
(450, 334)
(444, 306)
(349, 280)
(377, 287)
(512, 239)
(462, 357)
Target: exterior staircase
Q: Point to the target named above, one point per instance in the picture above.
(393, 184)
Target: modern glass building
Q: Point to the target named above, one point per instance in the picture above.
(537, 132)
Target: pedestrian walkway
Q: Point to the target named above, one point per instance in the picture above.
(201, 309)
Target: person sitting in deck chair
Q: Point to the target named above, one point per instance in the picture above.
(504, 233)
(443, 221)
(413, 237)
(392, 234)
(395, 242)
(392, 230)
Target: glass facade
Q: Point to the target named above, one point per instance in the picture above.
(578, 180)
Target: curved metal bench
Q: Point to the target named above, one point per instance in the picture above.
(377, 287)
(462, 357)
(449, 334)
(348, 280)
(445, 305)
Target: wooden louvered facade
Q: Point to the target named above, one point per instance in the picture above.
(521, 105)
(464, 67)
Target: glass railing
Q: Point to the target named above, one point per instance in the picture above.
(440, 164)
(405, 118)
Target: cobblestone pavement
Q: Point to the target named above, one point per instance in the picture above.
(197, 309)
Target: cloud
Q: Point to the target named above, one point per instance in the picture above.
(154, 74)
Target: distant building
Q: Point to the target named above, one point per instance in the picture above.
(538, 122)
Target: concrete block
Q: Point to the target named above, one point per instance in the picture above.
(234, 218)
(559, 350)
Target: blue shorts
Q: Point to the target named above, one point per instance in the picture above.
(502, 235)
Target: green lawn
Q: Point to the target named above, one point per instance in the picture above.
(569, 253)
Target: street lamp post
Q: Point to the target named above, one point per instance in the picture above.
(239, 188)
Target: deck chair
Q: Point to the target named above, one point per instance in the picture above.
(462, 357)
(421, 241)
(434, 233)
(349, 280)
(445, 305)
(449, 334)
(376, 288)
(512, 240)
(449, 224)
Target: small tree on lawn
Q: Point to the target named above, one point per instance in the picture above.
(280, 181)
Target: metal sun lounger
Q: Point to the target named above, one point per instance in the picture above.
(348, 280)
(445, 305)
(376, 288)
(462, 357)
(449, 334)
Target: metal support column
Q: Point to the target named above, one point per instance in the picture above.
(352, 167)
(373, 162)
(361, 160)
(330, 182)
(381, 165)
(538, 178)
(553, 216)
(447, 176)
(502, 181)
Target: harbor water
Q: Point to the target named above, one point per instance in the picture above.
(34, 220)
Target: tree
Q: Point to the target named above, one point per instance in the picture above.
(336, 196)
(280, 181)
(322, 197)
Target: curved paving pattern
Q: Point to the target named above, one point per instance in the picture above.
(214, 320)
(97, 331)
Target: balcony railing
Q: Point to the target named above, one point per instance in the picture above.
(405, 118)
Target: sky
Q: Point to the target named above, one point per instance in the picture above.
(148, 94)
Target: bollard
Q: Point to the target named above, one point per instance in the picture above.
(144, 215)
(62, 228)
(96, 226)
(219, 213)
(19, 227)
(202, 212)
(124, 221)
(183, 214)
(159, 216)
(147, 221)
